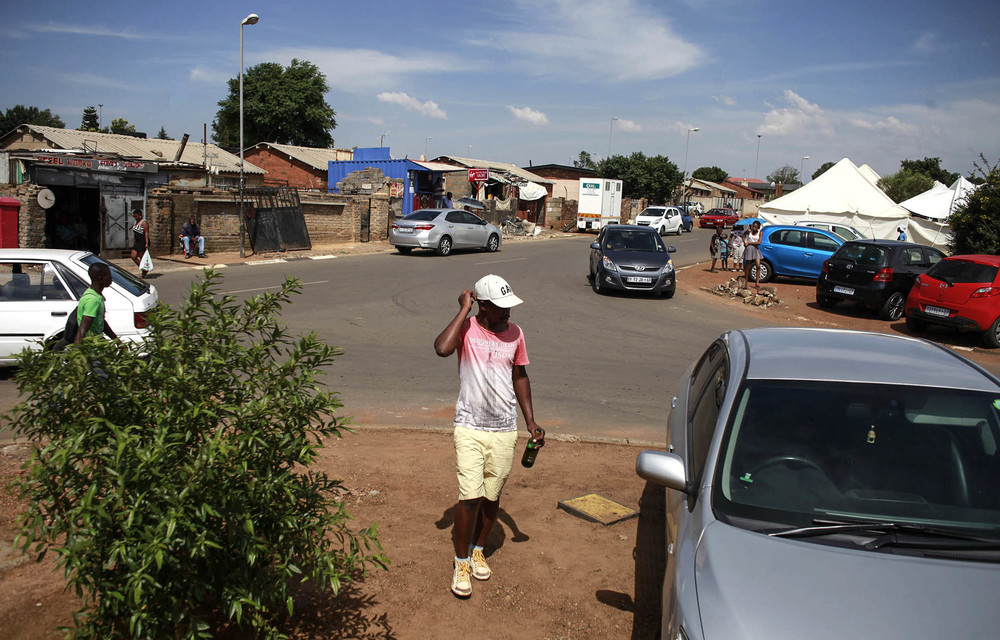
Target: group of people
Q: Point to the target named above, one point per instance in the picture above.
(190, 237)
(742, 249)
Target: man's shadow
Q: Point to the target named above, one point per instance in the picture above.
(497, 536)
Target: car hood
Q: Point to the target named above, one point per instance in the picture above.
(754, 586)
(638, 258)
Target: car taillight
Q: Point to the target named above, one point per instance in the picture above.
(395, 226)
(139, 318)
(884, 275)
(985, 292)
(826, 267)
(423, 227)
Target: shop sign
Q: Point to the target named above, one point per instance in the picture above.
(96, 164)
(479, 175)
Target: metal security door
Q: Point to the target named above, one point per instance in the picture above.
(114, 220)
(275, 221)
(366, 223)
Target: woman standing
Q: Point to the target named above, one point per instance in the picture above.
(751, 253)
(140, 239)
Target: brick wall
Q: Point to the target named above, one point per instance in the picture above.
(31, 216)
(284, 170)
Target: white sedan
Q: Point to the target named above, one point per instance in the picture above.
(39, 288)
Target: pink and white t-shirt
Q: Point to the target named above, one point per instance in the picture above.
(486, 360)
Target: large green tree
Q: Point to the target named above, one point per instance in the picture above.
(930, 167)
(903, 185)
(90, 120)
(823, 168)
(20, 114)
(585, 161)
(975, 225)
(712, 174)
(122, 126)
(162, 135)
(280, 104)
(655, 178)
(784, 175)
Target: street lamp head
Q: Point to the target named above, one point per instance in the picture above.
(694, 129)
(250, 19)
(759, 135)
(614, 117)
(805, 157)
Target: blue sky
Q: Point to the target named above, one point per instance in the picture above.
(540, 80)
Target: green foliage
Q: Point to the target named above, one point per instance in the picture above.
(784, 175)
(90, 120)
(654, 178)
(975, 224)
(712, 174)
(122, 126)
(823, 168)
(585, 161)
(930, 167)
(20, 114)
(176, 489)
(280, 104)
(905, 184)
(162, 135)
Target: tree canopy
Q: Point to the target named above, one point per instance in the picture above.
(904, 184)
(784, 175)
(162, 135)
(123, 126)
(975, 225)
(930, 167)
(280, 104)
(20, 114)
(823, 168)
(712, 174)
(90, 121)
(584, 161)
(654, 178)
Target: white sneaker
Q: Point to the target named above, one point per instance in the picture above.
(461, 580)
(480, 570)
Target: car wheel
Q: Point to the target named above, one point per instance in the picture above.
(680, 230)
(662, 231)
(826, 302)
(893, 307)
(766, 272)
(404, 250)
(915, 325)
(444, 247)
(595, 283)
(493, 244)
(992, 336)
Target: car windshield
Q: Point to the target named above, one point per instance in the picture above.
(424, 215)
(798, 452)
(652, 212)
(863, 253)
(634, 241)
(119, 276)
(963, 272)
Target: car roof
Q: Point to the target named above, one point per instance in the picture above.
(800, 353)
(977, 257)
(39, 254)
(885, 243)
(630, 227)
(771, 228)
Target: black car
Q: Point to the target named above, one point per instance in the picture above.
(874, 273)
(632, 258)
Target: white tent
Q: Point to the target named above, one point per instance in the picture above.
(939, 202)
(844, 194)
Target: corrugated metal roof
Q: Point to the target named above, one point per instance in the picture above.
(315, 157)
(149, 149)
(472, 163)
(711, 185)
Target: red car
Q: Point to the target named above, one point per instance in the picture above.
(720, 217)
(961, 292)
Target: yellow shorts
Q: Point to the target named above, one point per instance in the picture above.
(483, 460)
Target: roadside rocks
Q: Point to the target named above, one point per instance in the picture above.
(737, 288)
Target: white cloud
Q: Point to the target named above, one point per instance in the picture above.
(799, 119)
(529, 115)
(928, 42)
(629, 126)
(81, 30)
(210, 76)
(726, 100)
(585, 38)
(890, 124)
(429, 108)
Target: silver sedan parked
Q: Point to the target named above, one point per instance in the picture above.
(831, 484)
(443, 230)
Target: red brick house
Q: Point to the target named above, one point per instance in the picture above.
(303, 167)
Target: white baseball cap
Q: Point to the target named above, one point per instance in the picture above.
(496, 290)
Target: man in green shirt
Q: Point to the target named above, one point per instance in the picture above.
(90, 311)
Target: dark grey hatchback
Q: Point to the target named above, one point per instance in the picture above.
(874, 273)
(632, 258)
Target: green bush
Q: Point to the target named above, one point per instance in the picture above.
(975, 225)
(176, 489)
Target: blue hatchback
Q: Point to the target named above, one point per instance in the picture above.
(797, 252)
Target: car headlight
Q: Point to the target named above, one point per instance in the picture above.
(608, 264)
(669, 266)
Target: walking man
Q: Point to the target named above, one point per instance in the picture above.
(90, 311)
(493, 381)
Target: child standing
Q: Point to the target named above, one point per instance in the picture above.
(737, 241)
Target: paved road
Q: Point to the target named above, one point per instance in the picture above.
(602, 366)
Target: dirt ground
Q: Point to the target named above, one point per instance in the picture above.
(556, 576)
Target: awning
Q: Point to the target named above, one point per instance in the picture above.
(531, 191)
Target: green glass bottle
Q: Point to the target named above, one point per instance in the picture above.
(531, 451)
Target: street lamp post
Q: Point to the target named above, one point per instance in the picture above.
(100, 117)
(250, 19)
(758, 155)
(684, 177)
(611, 128)
(802, 164)
(425, 146)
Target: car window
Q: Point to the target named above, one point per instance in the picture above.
(708, 390)
(912, 256)
(933, 255)
(862, 253)
(963, 272)
(120, 277)
(76, 284)
(424, 215)
(652, 212)
(458, 217)
(792, 237)
(30, 281)
(822, 242)
(845, 232)
(471, 218)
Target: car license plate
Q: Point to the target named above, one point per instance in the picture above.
(847, 291)
(638, 279)
(405, 229)
(936, 311)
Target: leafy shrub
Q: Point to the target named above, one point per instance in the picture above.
(175, 489)
(975, 225)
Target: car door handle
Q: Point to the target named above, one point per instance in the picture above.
(57, 314)
(808, 254)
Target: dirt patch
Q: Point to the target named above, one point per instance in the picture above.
(555, 575)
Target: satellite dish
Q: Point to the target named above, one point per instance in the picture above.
(46, 198)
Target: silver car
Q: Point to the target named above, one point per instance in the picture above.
(846, 232)
(831, 484)
(443, 230)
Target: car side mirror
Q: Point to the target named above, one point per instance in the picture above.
(595, 245)
(482, 222)
(662, 468)
(671, 249)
